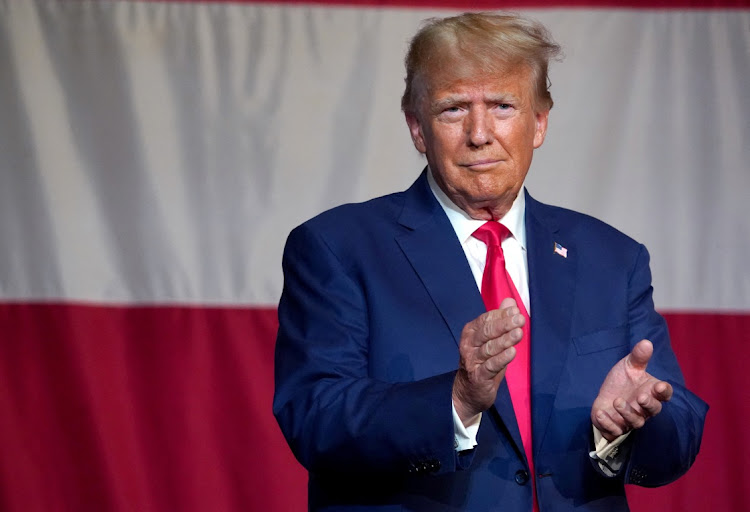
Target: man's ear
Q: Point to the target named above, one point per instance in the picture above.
(415, 128)
(541, 127)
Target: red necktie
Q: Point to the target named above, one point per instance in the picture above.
(497, 285)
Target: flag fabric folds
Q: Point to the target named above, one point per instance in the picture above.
(154, 155)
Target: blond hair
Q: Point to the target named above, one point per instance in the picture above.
(478, 43)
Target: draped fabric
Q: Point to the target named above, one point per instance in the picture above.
(154, 155)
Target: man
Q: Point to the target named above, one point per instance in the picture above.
(397, 339)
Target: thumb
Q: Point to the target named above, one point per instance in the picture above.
(641, 354)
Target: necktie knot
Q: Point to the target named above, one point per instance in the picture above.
(491, 233)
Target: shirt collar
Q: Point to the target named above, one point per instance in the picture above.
(464, 225)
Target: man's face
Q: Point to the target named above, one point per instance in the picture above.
(479, 135)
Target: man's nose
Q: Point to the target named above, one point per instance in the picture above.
(479, 129)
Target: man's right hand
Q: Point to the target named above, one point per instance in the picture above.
(486, 348)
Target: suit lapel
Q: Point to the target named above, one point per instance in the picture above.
(551, 292)
(436, 255)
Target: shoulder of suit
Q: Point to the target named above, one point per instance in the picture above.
(350, 231)
(358, 214)
(576, 224)
(351, 226)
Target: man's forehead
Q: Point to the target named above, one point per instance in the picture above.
(514, 82)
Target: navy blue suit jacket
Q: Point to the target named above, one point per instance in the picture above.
(375, 298)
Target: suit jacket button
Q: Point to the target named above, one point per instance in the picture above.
(521, 477)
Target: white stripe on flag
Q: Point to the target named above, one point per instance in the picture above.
(155, 152)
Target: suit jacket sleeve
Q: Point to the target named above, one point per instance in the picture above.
(665, 448)
(335, 417)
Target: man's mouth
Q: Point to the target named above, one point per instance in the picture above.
(483, 164)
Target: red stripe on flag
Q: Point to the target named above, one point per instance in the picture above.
(714, 353)
(141, 408)
(169, 408)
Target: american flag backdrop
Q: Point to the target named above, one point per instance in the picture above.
(154, 156)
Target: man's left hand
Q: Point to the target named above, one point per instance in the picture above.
(629, 395)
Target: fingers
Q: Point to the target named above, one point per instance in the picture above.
(609, 428)
(651, 403)
(631, 417)
(663, 391)
(501, 330)
(495, 346)
(625, 416)
(488, 338)
(507, 302)
(619, 420)
(496, 364)
(496, 323)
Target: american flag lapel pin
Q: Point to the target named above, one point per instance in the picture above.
(562, 251)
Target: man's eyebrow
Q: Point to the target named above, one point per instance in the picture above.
(450, 101)
(502, 98)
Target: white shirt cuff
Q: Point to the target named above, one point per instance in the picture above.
(465, 437)
(607, 454)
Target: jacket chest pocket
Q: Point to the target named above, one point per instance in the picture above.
(601, 340)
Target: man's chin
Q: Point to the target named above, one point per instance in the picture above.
(487, 206)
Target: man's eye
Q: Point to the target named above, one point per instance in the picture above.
(504, 106)
(451, 113)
